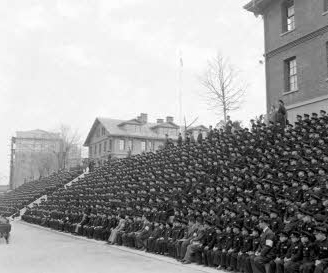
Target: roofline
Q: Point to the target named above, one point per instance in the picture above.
(87, 140)
(166, 125)
(257, 6)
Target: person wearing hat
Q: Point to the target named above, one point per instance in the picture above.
(277, 266)
(142, 235)
(196, 243)
(282, 114)
(214, 255)
(308, 253)
(162, 242)
(276, 223)
(178, 232)
(321, 248)
(211, 255)
(293, 258)
(256, 231)
(265, 254)
(246, 247)
(183, 243)
(208, 243)
(226, 245)
(231, 258)
(153, 236)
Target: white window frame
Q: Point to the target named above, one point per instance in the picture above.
(143, 145)
(121, 144)
(291, 75)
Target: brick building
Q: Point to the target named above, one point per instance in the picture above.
(296, 53)
(121, 137)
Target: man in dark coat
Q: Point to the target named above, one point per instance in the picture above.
(266, 252)
(282, 114)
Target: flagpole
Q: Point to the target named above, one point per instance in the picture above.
(180, 74)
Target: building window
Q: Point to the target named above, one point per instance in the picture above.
(288, 16)
(103, 131)
(130, 144)
(99, 148)
(98, 132)
(143, 146)
(110, 145)
(325, 5)
(291, 75)
(327, 54)
(90, 150)
(95, 150)
(150, 145)
(121, 144)
(105, 146)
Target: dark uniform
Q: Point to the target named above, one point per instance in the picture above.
(294, 256)
(266, 252)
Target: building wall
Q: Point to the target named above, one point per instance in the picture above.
(116, 151)
(113, 147)
(308, 17)
(311, 55)
(27, 155)
(293, 110)
(312, 72)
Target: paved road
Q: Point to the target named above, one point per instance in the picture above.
(37, 250)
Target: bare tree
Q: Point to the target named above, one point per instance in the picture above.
(224, 89)
(187, 127)
(43, 163)
(70, 140)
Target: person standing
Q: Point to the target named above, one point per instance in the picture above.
(180, 140)
(282, 114)
(200, 137)
(228, 125)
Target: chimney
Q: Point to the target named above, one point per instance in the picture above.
(160, 120)
(169, 119)
(143, 118)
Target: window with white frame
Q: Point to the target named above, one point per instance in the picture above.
(105, 146)
(327, 55)
(143, 146)
(130, 144)
(121, 144)
(291, 80)
(288, 15)
(150, 145)
(103, 131)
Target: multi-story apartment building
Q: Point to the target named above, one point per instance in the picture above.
(38, 153)
(296, 53)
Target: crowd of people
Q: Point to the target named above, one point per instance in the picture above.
(12, 202)
(254, 201)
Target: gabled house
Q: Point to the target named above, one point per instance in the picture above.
(120, 138)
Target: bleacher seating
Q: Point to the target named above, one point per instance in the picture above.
(268, 174)
(20, 197)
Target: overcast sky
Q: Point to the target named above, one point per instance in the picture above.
(69, 61)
